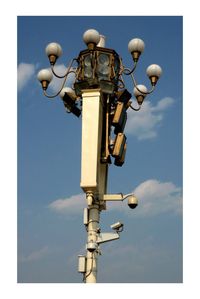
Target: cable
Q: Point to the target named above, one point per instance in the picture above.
(85, 276)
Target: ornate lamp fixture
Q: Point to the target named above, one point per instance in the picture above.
(100, 67)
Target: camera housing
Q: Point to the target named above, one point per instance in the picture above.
(132, 202)
(91, 246)
(117, 226)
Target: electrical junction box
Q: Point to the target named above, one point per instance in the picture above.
(91, 139)
(118, 149)
(120, 161)
(85, 216)
(119, 118)
(81, 263)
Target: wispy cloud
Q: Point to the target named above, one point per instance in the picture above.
(154, 197)
(158, 197)
(24, 73)
(35, 255)
(72, 205)
(144, 124)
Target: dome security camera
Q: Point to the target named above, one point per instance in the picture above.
(91, 246)
(132, 202)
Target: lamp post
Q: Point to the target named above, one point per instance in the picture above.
(98, 93)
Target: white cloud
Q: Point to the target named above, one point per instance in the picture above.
(154, 198)
(24, 73)
(144, 124)
(72, 205)
(35, 255)
(163, 104)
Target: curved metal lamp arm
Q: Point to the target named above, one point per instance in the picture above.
(67, 72)
(55, 95)
(135, 109)
(64, 81)
(127, 71)
(135, 83)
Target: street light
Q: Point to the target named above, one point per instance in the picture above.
(136, 47)
(99, 67)
(53, 51)
(140, 93)
(98, 93)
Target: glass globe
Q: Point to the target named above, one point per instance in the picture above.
(154, 70)
(53, 49)
(136, 45)
(91, 36)
(45, 75)
(140, 90)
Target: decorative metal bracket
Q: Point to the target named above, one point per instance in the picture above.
(107, 237)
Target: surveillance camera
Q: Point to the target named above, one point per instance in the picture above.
(132, 202)
(117, 226)
(91, 246)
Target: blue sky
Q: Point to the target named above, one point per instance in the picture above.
(50, 200)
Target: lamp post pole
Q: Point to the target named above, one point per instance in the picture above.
(93, 172)
(91, 258)
(99, 94)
